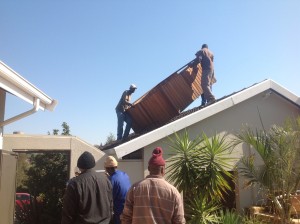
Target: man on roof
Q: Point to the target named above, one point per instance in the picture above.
(122, 115)
(206, 59)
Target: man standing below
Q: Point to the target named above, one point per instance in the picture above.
(121, 183)
(206, 58)
(122, 115)
(153, 200)
(88, 197)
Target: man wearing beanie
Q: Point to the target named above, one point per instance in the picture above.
(121, 183)
(153, 200)
(88, 197)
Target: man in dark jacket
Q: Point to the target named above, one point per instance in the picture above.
(88, 197)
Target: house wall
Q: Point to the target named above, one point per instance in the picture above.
(272, 110)
(20, 142)
(133, 167)
(2, 111)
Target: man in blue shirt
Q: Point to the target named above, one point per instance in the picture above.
(122, 115)
(121, 183)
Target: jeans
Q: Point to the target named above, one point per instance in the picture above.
(123, 117)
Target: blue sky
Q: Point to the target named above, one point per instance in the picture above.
(86, 53)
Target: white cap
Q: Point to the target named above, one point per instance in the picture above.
(132, 86)
(110, 162)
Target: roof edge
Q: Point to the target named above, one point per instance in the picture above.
(170, 128)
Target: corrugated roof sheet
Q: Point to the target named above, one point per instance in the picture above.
(167, 99)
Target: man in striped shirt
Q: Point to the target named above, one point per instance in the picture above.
(153, 200)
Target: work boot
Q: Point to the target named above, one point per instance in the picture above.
(211, 101)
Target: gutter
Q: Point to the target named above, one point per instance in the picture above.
(15, 84)
(35, 108)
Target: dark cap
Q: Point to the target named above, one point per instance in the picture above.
(86, 161)
(204, 46)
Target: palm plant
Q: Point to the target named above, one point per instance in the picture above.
(280, 173)
(256, 220)
(201, 210)
(199, 170)
(230, 217)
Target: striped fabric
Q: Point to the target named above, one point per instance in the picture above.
(153, 200)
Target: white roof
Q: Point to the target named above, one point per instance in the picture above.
(227, 102)
(12, 82)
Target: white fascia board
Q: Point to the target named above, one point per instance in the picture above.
(285, 92)
(200, 115)
(12, 82)
(171, 128)
(262, 87)
(250, 92)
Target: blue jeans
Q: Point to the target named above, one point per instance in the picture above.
(123, 117)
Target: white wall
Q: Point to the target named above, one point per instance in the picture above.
(72, 144)
(273, 110)
(2, 112)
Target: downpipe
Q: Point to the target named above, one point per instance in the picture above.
(35, 108)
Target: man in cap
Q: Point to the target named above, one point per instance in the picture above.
(122, 115)
(120, 182)
(153, 200)
(88, 197)
(206, 58)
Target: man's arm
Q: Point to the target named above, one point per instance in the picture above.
(69, 206)
(111, 203)
(199, 56)
(178, 216)
(126, 100)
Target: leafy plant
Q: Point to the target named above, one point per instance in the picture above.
(202, 210)
(47, 178)
(279, 173)
(199, 170)
(229, 217)
(28, 213)
(254, 220)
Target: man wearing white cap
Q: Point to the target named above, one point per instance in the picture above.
(122, 115)
(120, 182)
